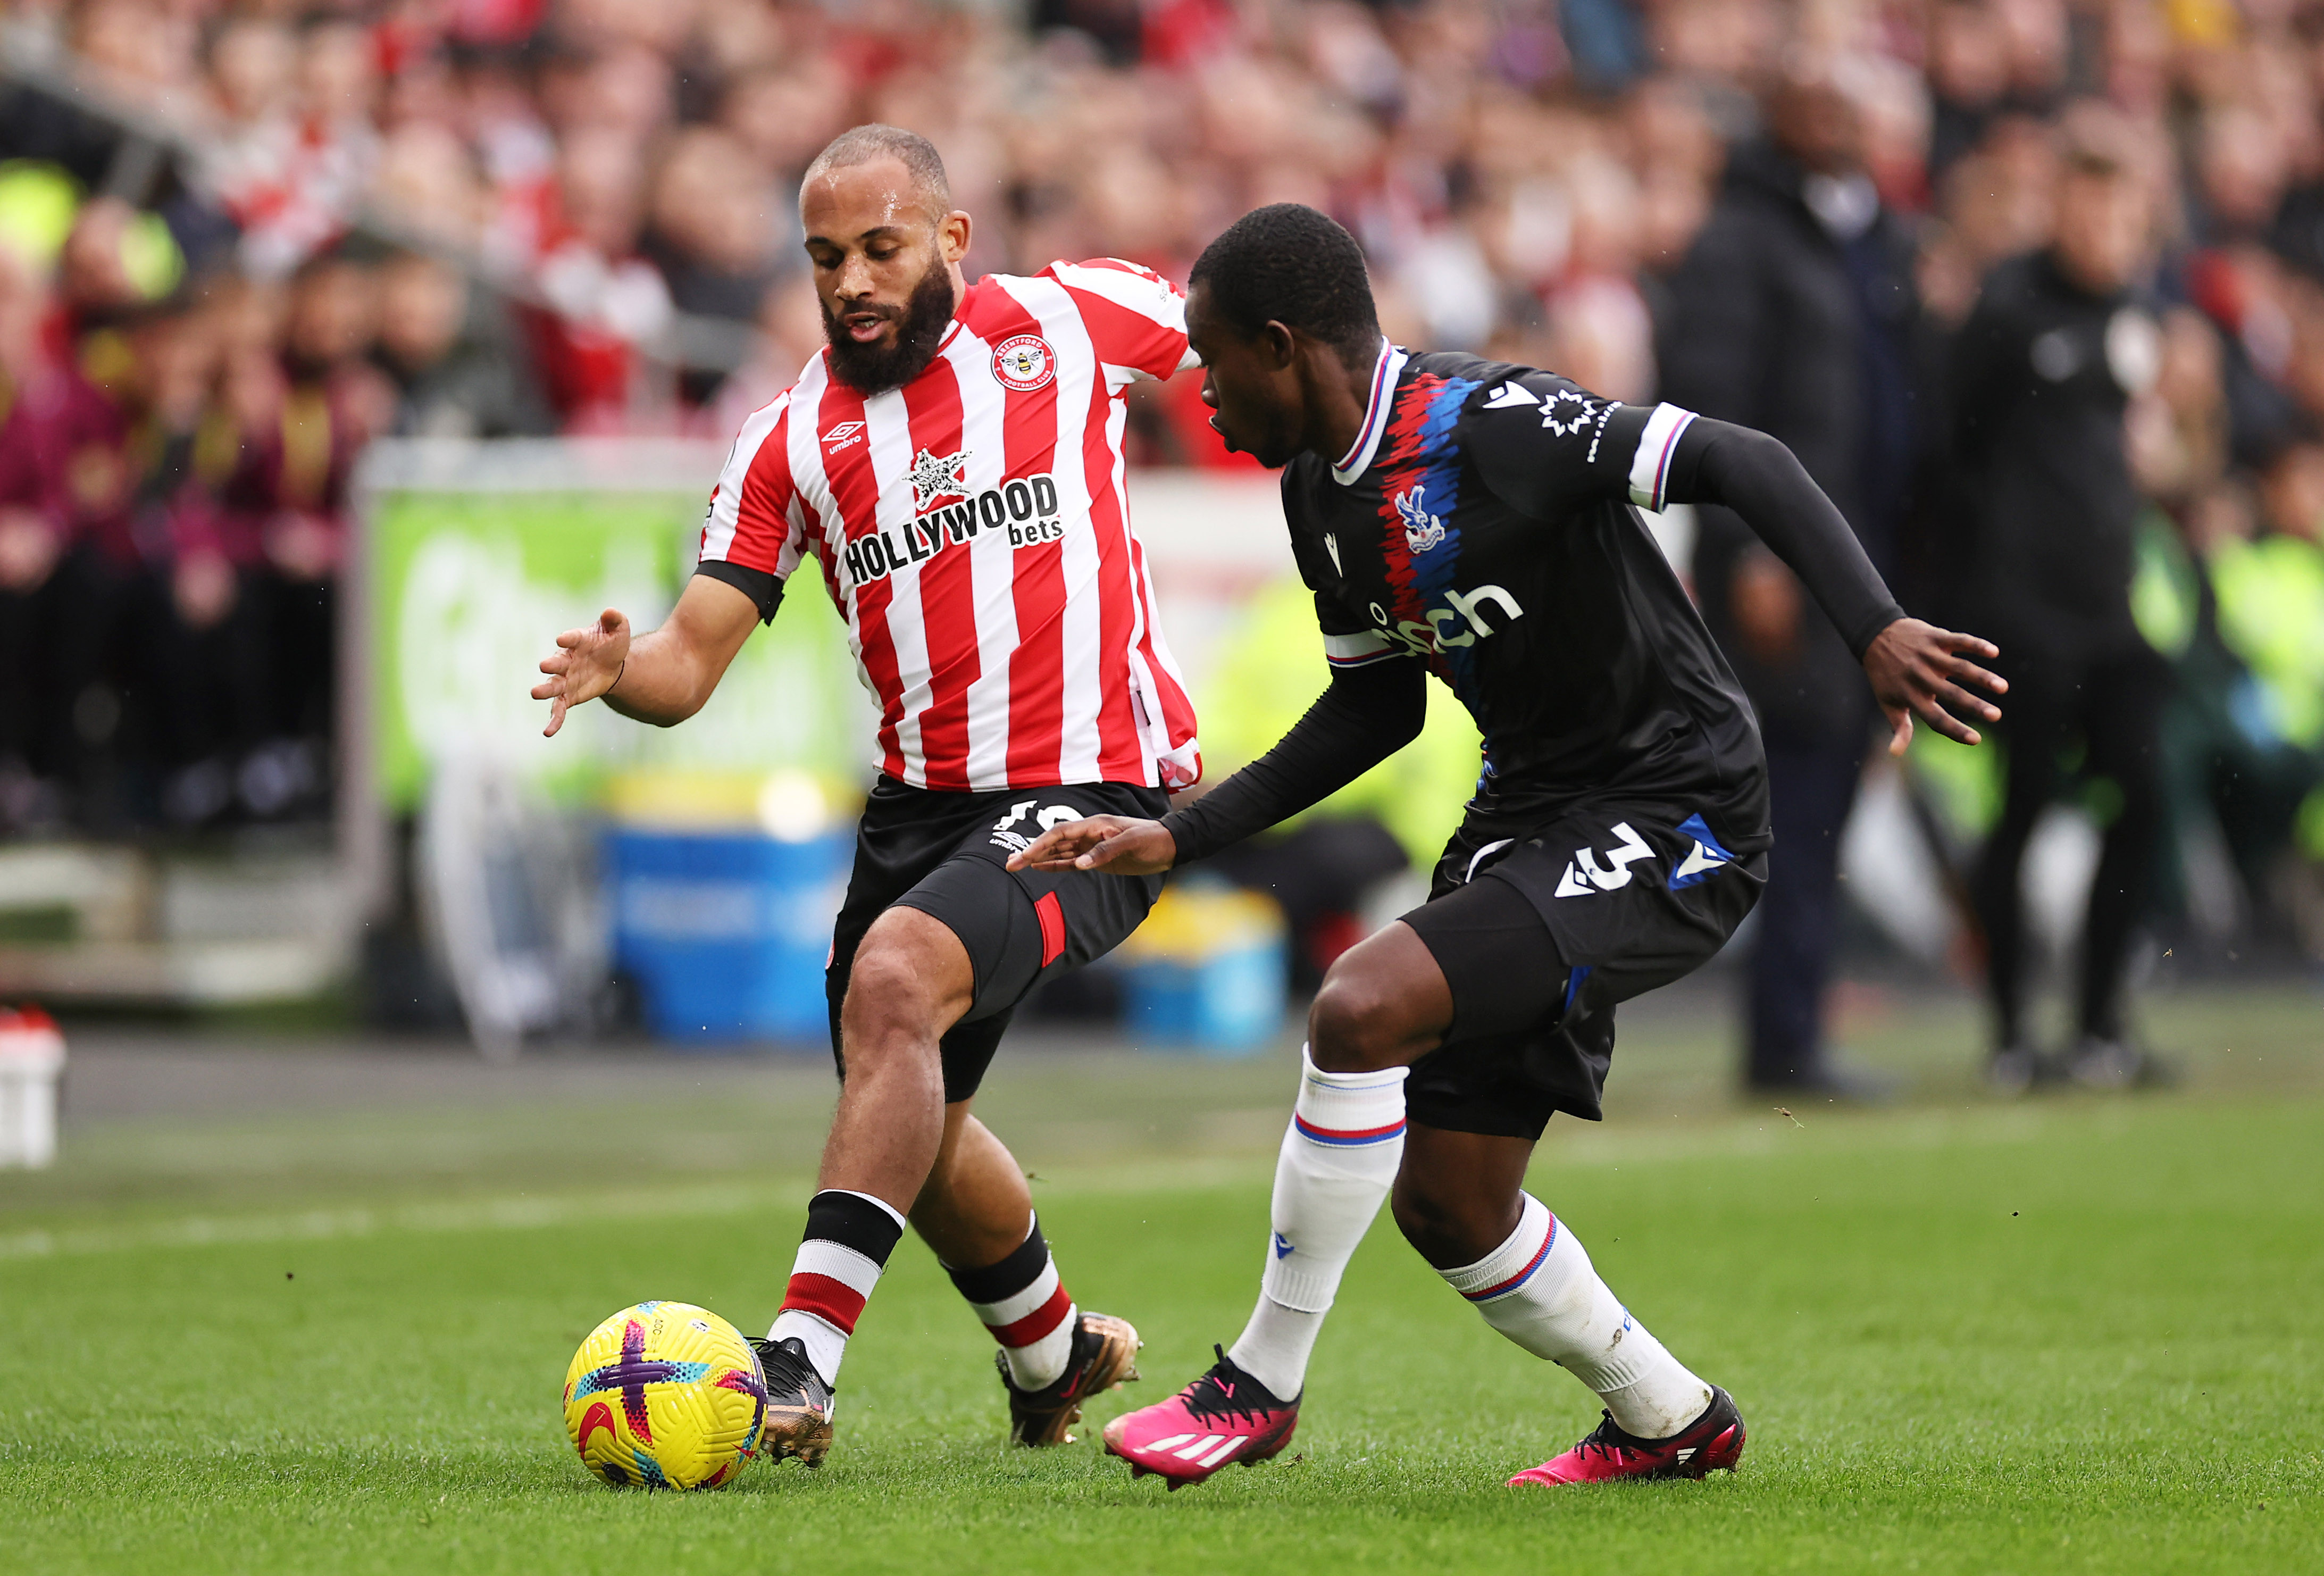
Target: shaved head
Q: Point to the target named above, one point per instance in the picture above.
(868, 145)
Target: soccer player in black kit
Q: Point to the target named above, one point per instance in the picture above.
(1475, 520)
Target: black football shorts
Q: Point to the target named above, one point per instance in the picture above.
(1541, 929)
(943, 853)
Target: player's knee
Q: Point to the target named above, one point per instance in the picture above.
(890, 999)
(1450, 1228)
(1355, 1026)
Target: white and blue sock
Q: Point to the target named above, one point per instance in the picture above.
(1540, 1289)
(1339, 1158)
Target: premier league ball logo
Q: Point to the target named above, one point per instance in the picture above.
(1024, 363)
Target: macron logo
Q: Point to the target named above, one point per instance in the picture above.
(1509, 396)
(1705, 858)
(841, 436)
(1283, 1248)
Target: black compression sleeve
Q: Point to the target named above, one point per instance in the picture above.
(1759, 479)
(1368, 715)
(761, 587)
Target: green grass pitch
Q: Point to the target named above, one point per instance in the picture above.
(2074, 1335)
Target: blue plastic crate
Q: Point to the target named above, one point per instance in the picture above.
(1229, 1004)
(726, 933)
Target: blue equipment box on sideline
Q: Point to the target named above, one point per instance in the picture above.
(1206, 971)
(726, 933)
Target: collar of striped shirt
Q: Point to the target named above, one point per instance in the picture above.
(1385, 371)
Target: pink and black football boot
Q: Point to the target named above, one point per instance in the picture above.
(1713, 1443)
(1226, 1415)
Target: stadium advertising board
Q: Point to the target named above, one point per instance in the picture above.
(478, 553)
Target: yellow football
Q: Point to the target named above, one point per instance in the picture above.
(665, 1396)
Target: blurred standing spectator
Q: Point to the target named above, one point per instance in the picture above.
(2268, 784)
(715, 225)
(1794, 313)
(448, 383)
(279, 453)
(606, 297)
(32, 543)
(95, 434)
(2043, 370)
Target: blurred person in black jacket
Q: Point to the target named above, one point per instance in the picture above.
(1794, 313)
(450, 381)
(2041, 374)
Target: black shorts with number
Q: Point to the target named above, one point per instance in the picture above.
(945, 853)
(1542, 927)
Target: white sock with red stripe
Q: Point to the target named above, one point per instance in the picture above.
(1024, 1305)
(1539, 1289)
(848, 1239)
(1338, 1160)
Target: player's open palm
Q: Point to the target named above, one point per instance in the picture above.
(1116, 845)
(1916, 668)
(585, 665)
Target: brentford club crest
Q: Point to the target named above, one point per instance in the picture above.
(936, 477)
(1024, 363)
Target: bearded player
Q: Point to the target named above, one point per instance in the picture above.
(952, 462)
(1476, 521)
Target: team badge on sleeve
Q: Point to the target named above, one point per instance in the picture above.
(1024, 363)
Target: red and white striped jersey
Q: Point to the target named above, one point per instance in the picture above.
(973, 530)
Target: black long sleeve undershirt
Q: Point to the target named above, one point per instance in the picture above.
(1366, 716)
(1759, 479)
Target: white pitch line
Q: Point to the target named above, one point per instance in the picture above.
(513, 1213)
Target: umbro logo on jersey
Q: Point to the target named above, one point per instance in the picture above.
(1509, 396)
(936, 477)
(1421, 530)
(1586, 874)
(841, 436)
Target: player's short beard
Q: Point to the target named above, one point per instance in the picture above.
(875, 368)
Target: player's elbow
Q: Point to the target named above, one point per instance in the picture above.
(1742, 465)
(1754, 451)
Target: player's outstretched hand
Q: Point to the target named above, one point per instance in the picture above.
(1918, 668)
(583, 666)
(1114, 844)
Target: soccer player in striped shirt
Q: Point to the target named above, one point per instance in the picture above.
(1478, 521)
(952, 464)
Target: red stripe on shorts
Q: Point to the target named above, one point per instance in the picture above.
(1053, 927)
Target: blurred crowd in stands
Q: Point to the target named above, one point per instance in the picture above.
(238, 241)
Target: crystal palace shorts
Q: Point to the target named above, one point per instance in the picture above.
(1541, 929)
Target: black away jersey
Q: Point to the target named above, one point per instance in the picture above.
(1483, 525)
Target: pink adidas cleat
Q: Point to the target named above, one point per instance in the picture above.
(1713, 1443)
(1226, 1415)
